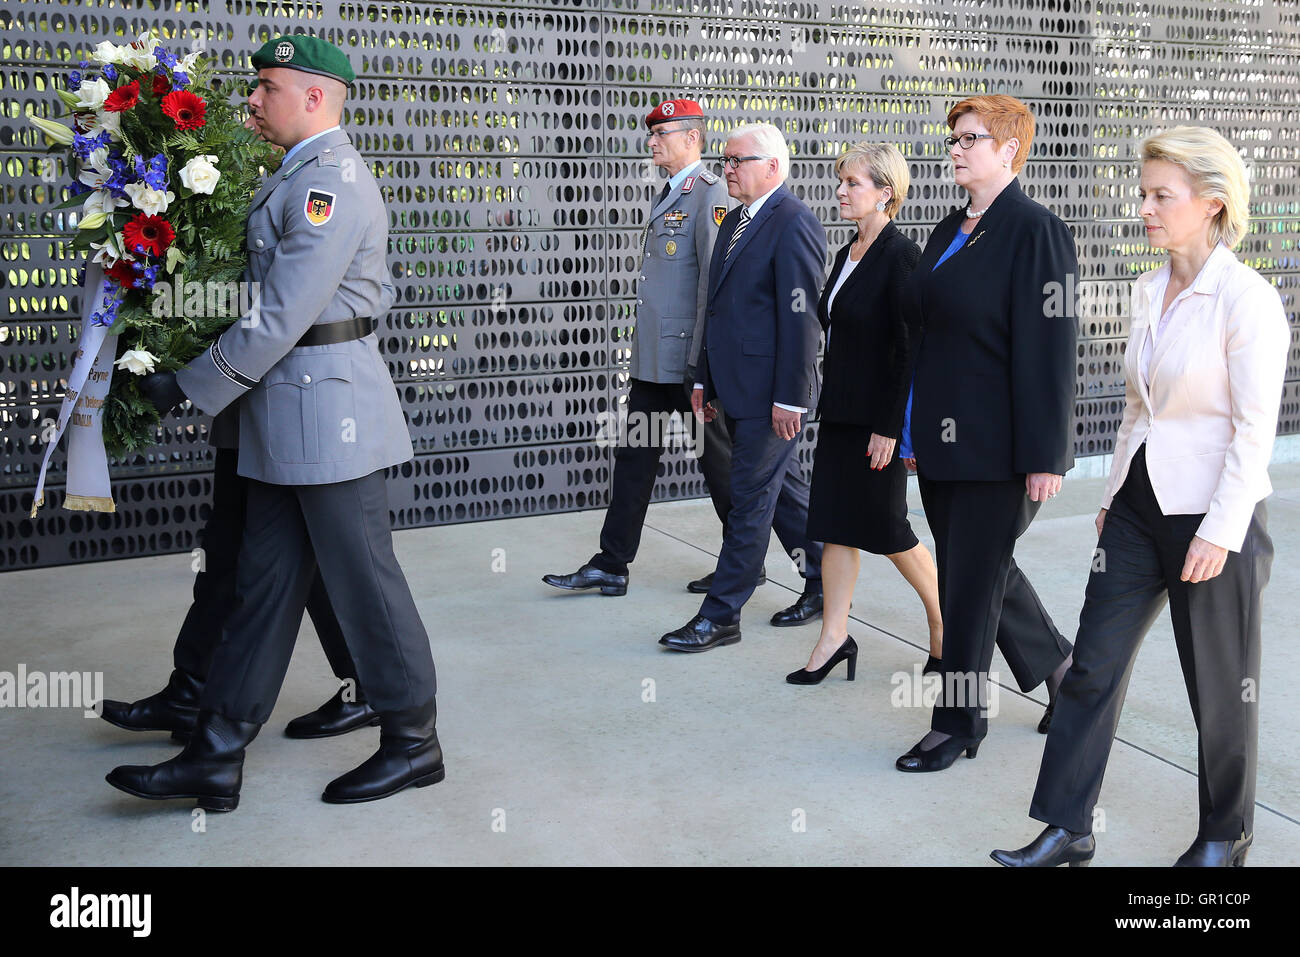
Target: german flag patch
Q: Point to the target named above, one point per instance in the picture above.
(319, 207)
(719, 214)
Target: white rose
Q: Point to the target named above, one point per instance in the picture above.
(151, 202)
(92, 94)
(107, 53)
(200, 175)
(137, 361)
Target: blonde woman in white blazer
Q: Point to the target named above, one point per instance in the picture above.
(1183, 517)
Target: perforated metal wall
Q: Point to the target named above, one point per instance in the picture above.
(507, 139)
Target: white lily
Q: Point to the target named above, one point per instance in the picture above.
(139, 54)
(54, 132)
(107, 52)
(111, 251)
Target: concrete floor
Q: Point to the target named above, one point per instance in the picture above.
(555, 757)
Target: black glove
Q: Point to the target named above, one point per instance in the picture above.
(162, 390)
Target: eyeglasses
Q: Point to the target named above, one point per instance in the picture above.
(967, 140)
(733, 162)
(661, 133)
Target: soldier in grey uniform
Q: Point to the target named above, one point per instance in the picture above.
(319, 422)
(672, 293)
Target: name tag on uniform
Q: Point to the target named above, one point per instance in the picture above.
(675, 219)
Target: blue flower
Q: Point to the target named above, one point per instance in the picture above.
(162, 56)
(155, 174)
(180, 79)
(74, 80)
(110, 72)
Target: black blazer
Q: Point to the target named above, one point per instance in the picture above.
(993, 394)
(760, 333)
(868, 367)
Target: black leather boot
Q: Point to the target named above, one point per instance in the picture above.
(336, 716)
(211, 768)
(408, 754)
(173, 709)
(1216, 853)
(1054, 846)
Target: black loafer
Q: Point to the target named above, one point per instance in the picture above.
(589, 576)
(1216, 853)
(701, 634)
(807, 608)
(1053, 847)
(701, 586)
(335, 716)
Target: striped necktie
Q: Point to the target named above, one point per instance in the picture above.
(740, 228)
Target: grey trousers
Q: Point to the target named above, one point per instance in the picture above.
(289, 529)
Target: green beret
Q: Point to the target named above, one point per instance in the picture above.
(307, 53)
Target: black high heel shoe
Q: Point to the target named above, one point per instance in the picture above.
(940, 756)
(846, 652)
(932, 665)
(1053, 847)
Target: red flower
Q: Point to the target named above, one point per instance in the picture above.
(185, 109)
(153, 233)
(123, 98)
(121, 273)
(160, 85)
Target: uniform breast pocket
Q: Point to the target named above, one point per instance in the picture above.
(261, 245)
(310, 409)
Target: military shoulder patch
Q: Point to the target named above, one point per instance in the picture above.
(719, 214)
(708, 176)
(319, 207)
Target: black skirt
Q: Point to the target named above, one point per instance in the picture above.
(852, 504)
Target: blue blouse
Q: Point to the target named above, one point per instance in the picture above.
(905, 441)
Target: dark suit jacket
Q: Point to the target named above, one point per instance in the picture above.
(993, 397)
(761, 333)
(868, 367)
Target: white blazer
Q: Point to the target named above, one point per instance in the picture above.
(1209, 414)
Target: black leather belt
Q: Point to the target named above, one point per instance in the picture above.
(329, 333)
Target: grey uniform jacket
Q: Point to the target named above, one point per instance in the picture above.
(317, 238)
(673, 288)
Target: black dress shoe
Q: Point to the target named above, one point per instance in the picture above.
(808, 607)
(701, 634)
(933, 665)
(848, 651)
(1053, 847)
(701, 586)
(210, 768)
(173, 709)
(1216, 853)
(589, 576)
(1045, 723)
(335, 716)
(940, 756)
(409, 754)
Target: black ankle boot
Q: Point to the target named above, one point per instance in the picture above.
(1216, 853)
(173, 709)
(408, 754)
(1054, 846)
(211, 768)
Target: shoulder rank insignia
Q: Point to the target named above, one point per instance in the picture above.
(686, 186)
(319, 207)
(719, 214)
(708, 176)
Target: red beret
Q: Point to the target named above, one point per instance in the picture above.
(670, 110)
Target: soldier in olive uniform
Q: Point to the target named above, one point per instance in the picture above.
(672, 292)
(319, 422)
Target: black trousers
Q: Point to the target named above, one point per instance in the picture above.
(636, 466)
(214, 586)
(346, 528)
(1217, 632)
(986, 599)
(768, 493)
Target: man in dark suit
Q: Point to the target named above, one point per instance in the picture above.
(760, 358)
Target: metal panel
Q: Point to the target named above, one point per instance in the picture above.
(507, 140)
